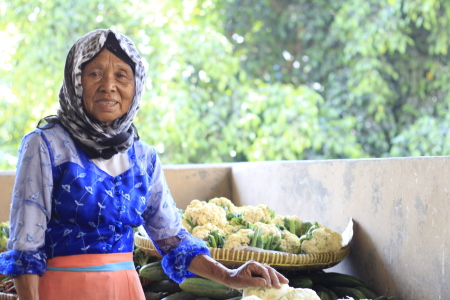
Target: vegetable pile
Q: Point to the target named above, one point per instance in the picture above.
(6, 283)
(306, 285)
(223, 225)
(4, 235)
(332, 285)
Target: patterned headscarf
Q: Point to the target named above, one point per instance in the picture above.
(94, 137)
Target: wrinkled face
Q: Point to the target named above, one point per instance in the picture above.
(108, 87)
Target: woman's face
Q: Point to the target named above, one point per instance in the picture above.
(108, 87)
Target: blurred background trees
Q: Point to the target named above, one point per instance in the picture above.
(248, 80)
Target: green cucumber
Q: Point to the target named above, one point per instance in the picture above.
(181, 296)
(335, 279)
(203, 287)
(368, 292)
(321, 289)
(153, 296)
(163, 286)
(332, 295)
(348, 292)
(153, 271)
(322, 295)
(301, 282)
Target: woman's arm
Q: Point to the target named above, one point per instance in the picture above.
(184, 255)
(27, 286)
(25, 260)
(251, 274)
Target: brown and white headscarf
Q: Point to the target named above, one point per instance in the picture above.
(94, 137)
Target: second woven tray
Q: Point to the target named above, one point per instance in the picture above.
(279, 260)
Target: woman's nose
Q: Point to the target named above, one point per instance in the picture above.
(108, 83)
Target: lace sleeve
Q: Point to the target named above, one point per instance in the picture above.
(178, 253)
(30, 209)
(14, 263)
(162, 222)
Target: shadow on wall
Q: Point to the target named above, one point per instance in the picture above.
(366, 257)
(365, 261)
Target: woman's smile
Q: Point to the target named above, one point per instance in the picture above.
(106, 104)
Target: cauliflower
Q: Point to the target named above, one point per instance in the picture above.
(294, 225)
(284, 293)
(228, 229)
(290, 243)
(278, 220)
(240, 238)
(186, 225)
(267, 294)
(203, 231)
(267, 236)
(223, 202)
(199, 213)
(253, 297)
(323, 240)
(4, 234)
(253, 214)
(301, 294)
(3, 242)
(268, 229)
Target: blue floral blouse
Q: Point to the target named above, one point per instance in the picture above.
(63, 204)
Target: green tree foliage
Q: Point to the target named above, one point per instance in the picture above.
(241, 80)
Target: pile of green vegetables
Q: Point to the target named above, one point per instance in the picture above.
(327, 285)
(4, 235)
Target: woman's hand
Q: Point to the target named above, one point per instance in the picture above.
(255, 274)
(250, 274)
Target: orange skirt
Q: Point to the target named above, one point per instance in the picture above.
(75, 284)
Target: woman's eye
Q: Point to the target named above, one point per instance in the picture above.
(122, 75)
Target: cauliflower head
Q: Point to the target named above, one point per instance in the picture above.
(3, 243)
(301, 294)
(240, 238)
(253, 214)
(266, 293)
(223, 202)
(278, 220)
(324, 240)
(268, 229)
(200, 213)
(186, 225)
(203, 231)
(229, 228)
(253, 297)
(290, 243)
(284, 293)
(294, 224)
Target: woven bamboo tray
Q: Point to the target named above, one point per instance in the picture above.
(278, 260)
(4, 296)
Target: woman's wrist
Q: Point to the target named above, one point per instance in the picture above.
(207, 267)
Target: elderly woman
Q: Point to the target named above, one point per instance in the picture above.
(85, 181)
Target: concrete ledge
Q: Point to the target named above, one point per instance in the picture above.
(400, 207)
(202, 182)
(6, 187)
